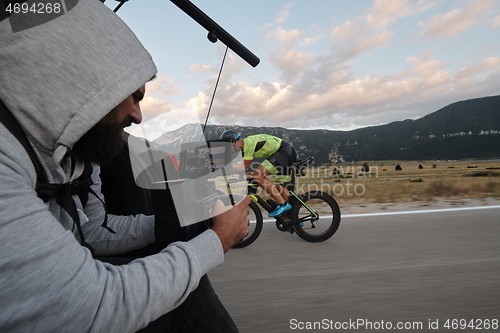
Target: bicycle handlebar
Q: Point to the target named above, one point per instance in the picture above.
(304, 162)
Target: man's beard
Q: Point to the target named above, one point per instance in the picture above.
(102, 142)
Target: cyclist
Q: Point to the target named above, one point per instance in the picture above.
(278, 157)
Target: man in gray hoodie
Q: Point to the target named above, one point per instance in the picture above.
(83, 72)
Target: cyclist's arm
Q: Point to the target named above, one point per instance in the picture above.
(239, 166)
(247, 163)
(242, 166)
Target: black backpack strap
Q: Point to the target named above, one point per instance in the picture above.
(47, 191)
(13, 126)
(84, 183)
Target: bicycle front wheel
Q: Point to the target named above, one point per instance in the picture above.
(324, 225)
(255, 227)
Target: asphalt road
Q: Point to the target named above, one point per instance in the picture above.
(376, 274)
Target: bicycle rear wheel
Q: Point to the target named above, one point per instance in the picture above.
(328, 220)
(256, 222)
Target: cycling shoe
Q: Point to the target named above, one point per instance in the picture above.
(280, 209)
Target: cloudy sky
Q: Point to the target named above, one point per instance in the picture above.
(331, 64)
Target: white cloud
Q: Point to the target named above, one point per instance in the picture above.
(490, 65)
(287, 38)
(203, 68)
(163, 86)
(370, 30)
(348, 102)
(351, 39)
(306, 89)
(424, 65)
(158, 83)
(385, 12)
(457, 20)
(283, 14)
(152, 107)
(496, 22)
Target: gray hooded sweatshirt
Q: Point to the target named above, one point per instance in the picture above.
(58, 80)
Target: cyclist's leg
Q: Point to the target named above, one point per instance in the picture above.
(282, 161)
(284, 158)
(260, 176)
(279, 163)
(283, 192)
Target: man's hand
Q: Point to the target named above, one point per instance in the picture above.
(231, 225)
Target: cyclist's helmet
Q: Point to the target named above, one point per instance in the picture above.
(230, 135)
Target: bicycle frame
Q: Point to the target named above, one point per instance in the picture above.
(297, 220)
(283, 222)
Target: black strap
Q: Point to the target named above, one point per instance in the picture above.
(13, 126)
(63, 192)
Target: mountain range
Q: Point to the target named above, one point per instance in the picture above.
(462, 130)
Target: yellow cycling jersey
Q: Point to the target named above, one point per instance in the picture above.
(260, 146)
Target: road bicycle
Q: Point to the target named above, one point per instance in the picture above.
(314, 217)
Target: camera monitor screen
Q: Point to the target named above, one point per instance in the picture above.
(201, 158)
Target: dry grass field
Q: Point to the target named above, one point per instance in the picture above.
(417, 181)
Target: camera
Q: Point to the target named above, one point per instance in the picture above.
(204, 174)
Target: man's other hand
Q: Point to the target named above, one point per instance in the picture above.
(232, 225)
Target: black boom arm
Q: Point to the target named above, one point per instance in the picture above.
(215, 31)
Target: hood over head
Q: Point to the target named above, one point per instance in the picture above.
(61, 77)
